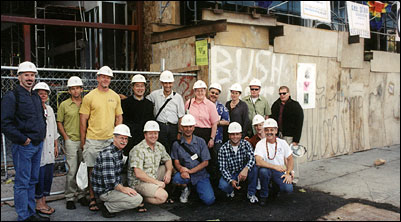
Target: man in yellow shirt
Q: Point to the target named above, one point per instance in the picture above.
(99, 113)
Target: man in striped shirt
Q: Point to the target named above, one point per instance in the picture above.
(237, 163)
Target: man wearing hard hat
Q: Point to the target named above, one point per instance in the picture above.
(137, 110)
(257, 123)
(106, 177)
(274, 158)
(191, 157)
(150, 166)
(168, 109)
(237, 163)
(99, 113)
(68, 126)
(23, 122)
(257, 104)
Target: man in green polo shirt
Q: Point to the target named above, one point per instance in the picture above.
(68, 126)
(256, 104)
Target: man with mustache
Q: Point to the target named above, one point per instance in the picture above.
(274, 159)
(23, 122)
(106, 176)
(99, 113)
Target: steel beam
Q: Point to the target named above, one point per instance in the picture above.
(27, 42)
(59, 22)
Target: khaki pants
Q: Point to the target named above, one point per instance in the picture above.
(149, 189)
(92, 149)
(74, 158)
(116, 201)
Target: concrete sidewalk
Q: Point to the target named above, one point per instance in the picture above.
(348, 176)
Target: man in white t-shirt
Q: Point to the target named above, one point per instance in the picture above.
(272, 164)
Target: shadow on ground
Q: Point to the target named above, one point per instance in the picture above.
(301, 206)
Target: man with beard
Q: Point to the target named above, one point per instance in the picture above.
(274, 158)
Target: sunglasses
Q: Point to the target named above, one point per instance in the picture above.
(214, 93)
(282, 94)
(254, 89)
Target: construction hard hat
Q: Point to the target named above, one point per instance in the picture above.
(151, 125)
(258, 119)
(270, 123)
(166, 76)
(27, 67)
(236, 87)
(215, 86)
(42, 85)
(188, 120)
(234, 127)
(298, 150)
(255, 82)
(199, 84)
(74, 81)
(138, 78)
(122, 129)
(105, 70)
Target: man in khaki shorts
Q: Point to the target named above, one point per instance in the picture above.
(106, 177)
(99, 113)
(68, 126)
(150, 167)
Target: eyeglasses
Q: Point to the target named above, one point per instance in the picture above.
(254, 89)
(214, 93)
(282, 94)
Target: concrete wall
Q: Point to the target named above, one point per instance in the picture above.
(356, 108)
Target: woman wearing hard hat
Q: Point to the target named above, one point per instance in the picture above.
(238, 109)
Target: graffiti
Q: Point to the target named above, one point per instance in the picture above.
(185, 83)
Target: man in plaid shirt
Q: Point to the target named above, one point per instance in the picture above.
(237, 163)
(106, 177)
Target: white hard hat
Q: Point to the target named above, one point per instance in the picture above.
(234, 127)
(188, 120)
(138, 78)
(298, 150)
(122, 129)
(255, 82)
(258, 119)
(105, 70)
(236, 87)
(166, 76)
(27, 67)
(151, 125)
(270, 123)
(215, 86)
(42, 85)
(199, 84)
(74, 81)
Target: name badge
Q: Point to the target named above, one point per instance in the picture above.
(194, 157)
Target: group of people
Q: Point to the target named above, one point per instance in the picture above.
(139, 148)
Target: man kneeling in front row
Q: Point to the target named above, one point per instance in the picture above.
(106, 176)
(270, 154)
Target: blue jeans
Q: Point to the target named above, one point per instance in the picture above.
(26, 164)
(265, 175)
(203, 188)
(45, 181)
(252, 181)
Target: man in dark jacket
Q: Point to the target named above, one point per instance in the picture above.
(23, 122)
(289, 115)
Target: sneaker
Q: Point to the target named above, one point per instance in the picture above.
(70, 205)
(184, 195)
(263, 201)
(230, 194)
(252, 198)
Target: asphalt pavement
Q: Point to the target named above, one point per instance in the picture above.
(348, 187)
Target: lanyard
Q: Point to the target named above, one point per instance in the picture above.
(267, 150)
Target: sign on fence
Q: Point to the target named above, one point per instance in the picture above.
(358, 19)
(316, 10)
(306, 85)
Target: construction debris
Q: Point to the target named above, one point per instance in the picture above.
(379, 162)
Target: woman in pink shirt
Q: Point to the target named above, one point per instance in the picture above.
(205, 114)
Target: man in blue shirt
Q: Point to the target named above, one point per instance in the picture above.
(23, 122)
(237, 163)
(106, 176)
(191, 157)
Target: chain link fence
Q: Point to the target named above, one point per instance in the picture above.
(57, 81)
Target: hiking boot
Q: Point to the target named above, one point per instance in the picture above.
(70, 205)
(263, 201)
(105, 212)
(83, 201)
(252, 198)
(184, 195)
